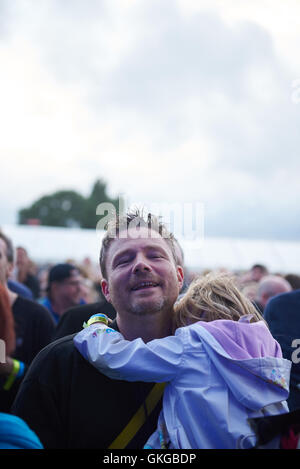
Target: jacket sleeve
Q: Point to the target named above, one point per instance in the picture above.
(108, 351)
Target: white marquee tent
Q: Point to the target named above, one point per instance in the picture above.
(49, 244)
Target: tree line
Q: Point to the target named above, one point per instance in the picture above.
(68, 208)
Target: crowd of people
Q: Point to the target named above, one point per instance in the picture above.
(73, 334)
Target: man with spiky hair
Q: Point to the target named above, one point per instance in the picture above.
(63, 398)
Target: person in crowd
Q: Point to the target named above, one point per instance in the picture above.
(269, 286)
(282, 315)
(254, 275)
(221, 368)
(63, 291)
(90, 283)
(89, 270)
(7, 326)
(257, 272)
(250, 290)
(28, 322)
(294, 281)
(25, 272)
(73, 319)
(15, 434)
(142, 280)
(43, 273)
(20, 289)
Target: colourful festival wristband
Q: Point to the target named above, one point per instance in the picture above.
(98, 318)
(21, 370)
(14, 373)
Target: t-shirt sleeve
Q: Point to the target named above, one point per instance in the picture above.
(106, 349)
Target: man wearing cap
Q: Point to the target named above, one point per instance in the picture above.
(64, 290)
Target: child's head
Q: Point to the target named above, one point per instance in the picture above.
(213, 296)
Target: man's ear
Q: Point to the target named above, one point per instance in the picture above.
(180, 276)
(105, 289)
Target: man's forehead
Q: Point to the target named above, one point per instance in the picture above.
(142, 238)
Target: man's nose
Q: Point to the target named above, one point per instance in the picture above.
(141, 265)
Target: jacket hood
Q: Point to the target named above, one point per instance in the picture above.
(249, 360)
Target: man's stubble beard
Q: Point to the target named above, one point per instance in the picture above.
(144, 309)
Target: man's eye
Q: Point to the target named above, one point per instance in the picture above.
(123, 261)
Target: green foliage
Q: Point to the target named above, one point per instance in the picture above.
(97, 196)
(68, 208)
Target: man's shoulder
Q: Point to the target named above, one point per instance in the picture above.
(30, 310)
(285, 299)
(29, 303)
(89, 309)
(59, 346)
(54, 358)
(29, 306)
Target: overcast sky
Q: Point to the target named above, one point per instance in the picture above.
(176, 101)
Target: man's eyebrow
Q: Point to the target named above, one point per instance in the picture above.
(154, 247)
(122, 253)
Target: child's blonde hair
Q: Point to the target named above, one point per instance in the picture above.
(213, 296)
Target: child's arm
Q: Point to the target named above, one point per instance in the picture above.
(108, 351)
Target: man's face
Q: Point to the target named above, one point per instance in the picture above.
(21, 257)
(5, 265)
(257, 274)
(142, 277)
(68, 290)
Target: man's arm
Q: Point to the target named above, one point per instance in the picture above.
(108, 351)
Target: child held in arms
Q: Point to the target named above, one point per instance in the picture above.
(222, 366)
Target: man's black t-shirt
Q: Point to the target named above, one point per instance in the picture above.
(34, 328)
(33, 284)
(69, 404)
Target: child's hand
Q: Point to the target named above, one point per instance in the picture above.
(98, 318)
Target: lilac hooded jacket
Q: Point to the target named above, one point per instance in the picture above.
(219, 374)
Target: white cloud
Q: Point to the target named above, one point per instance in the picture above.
(165, 102)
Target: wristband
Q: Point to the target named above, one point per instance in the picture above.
(21, 370)
(14, 373)
(98, 318)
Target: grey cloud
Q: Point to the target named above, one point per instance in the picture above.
(253, 221)
(186, 58)
(193, 58)
(65, 33)
(275, 146)
(76, 10)
(173, 59)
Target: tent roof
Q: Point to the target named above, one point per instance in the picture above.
(50, 244)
